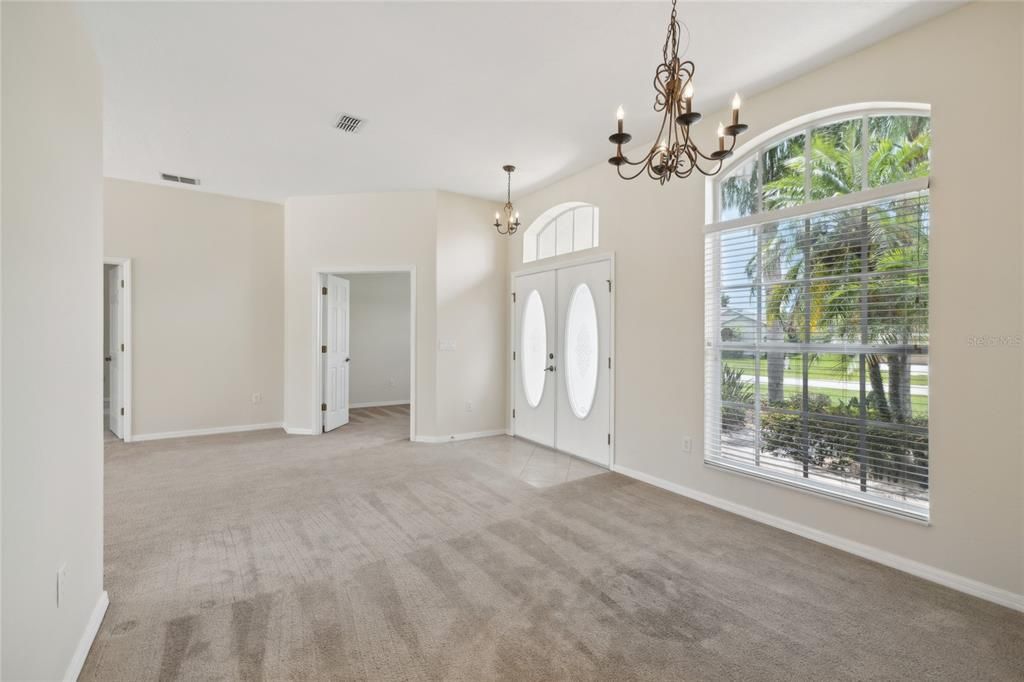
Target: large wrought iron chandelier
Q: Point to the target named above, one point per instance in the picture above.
(674, 152)
(511, 222)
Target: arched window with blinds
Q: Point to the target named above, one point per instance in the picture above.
(816, 308)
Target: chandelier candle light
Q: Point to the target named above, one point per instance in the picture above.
(675, 153)
(511, 224)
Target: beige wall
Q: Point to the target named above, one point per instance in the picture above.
(379, 306)
(207, 308)
(472, 317)
(977, 528)
(460, 274)
(353, 230)
(52, 443)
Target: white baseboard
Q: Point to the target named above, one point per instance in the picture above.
(85, 643)
(460, 436)
(960, 583)
(296, 431)
(206, 432)
(379, 403)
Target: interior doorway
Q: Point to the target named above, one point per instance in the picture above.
(364, 367)
(562, 367)
(117, 349)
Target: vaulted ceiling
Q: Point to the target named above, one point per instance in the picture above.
(245, 96)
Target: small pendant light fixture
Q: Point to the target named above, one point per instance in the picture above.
(511, 223)
(675, 153)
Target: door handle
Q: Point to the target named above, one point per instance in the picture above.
(549, 368)
(107, 359)
(347, 359)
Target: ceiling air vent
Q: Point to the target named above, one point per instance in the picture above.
(348, 124)
(179, 178)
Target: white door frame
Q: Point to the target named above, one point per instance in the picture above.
(342, 270)
(560, 264)
(124, 265)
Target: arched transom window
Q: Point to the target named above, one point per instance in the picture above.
(816, 308)
(562, 229)
(827, 156)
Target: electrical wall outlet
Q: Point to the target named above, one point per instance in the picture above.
(469, 406)
(391, 382)
(257, 398)
(687, 444)
(62, 578)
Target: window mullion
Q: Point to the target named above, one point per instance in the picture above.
(807, 164)
(806, 356)
(758, 326)
(759, 175)
(865, 273)
(865, 146)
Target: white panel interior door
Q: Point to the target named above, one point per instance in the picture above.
(583, 410)
(114, 357)
(535, 365)
(336, 358)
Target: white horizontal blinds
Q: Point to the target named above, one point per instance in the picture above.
(816, 354)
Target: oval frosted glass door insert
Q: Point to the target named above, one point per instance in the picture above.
(534, 348)
(581, 351)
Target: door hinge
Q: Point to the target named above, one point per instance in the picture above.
(323, 407)
(513, 297)
(323, 291)
(122, 284)
(513, 414)
(609, 363)
(323, 349)
(609, 284)
(122, 347)
(122, 411)
(609, 439)
(513, 356)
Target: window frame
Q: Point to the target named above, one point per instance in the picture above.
(867, 195)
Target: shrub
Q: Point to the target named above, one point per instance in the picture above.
(735, 390)
(834, 445)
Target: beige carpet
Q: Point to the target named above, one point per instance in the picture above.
(357, 555)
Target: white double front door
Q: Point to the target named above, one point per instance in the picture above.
(562, 360)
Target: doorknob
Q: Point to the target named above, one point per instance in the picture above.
(549, 368)
(107, 359)
(347, 359)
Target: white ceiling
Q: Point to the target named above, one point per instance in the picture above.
(245, 96)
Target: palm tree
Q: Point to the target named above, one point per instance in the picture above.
(848, 243)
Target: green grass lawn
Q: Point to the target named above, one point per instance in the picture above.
(826, 367)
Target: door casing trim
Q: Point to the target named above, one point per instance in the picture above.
(318, 281)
